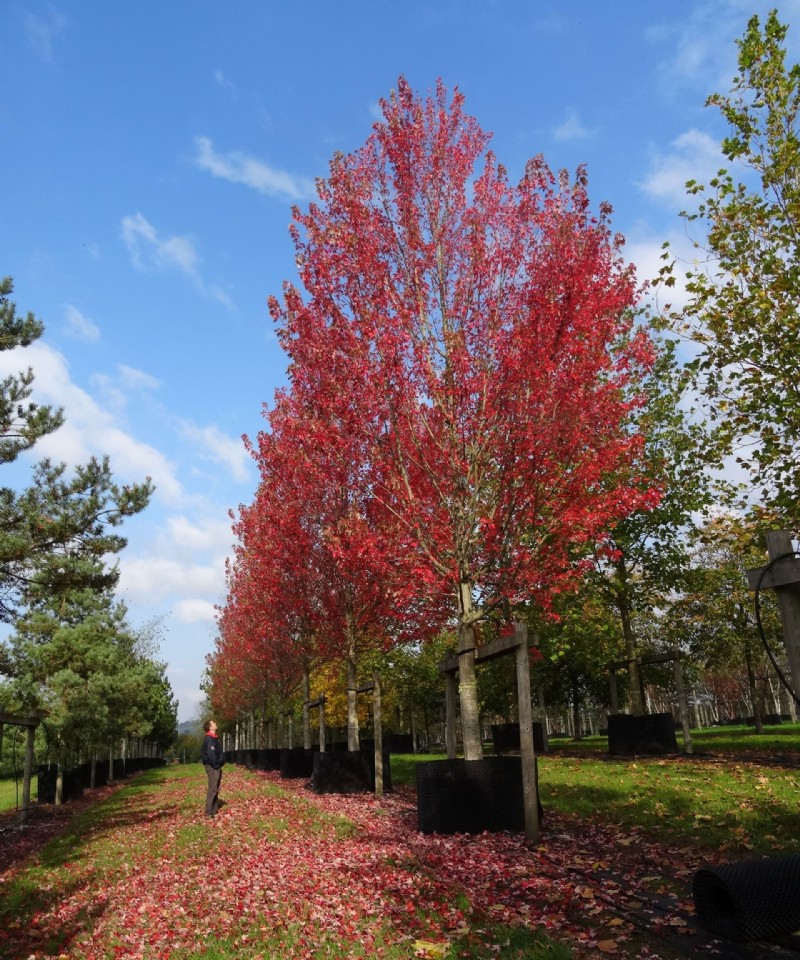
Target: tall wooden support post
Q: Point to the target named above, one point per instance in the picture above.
(779, 543)
(783, 576)
(450, 697)
(377, 720)
(321, 706)
(27, 774)
(612, 679)
(306, 710)
(527, 752)
(683, 703)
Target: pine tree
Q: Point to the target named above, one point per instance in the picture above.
(57, 518)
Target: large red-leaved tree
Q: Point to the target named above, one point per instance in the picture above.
(475, 337)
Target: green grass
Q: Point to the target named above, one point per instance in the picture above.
(707, 801)
(152, 825)
(710, 803)
(11, 793)
(734, 739)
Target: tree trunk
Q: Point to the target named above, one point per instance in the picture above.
(306, 711)
(467, 680)
(352, 703)
(576, 712)
(631, 652)
(631, 647)
(755, 697)
(27, 773)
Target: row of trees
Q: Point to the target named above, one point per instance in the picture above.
(482, 424)
(466, 419)
(70, 653)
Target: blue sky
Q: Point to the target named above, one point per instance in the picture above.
(150, 154)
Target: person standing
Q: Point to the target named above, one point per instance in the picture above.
(213, 759)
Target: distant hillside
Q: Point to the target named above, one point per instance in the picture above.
(192, 727)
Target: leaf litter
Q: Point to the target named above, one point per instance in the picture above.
(378, 883)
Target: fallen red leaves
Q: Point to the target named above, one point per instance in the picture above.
(172, 880)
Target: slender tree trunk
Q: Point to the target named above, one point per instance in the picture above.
(306, 711)
(632, 652)
(27, 773)
(755, 696)
(576, 711)
(631, 646)
(352, 700)
(467, 680)
(60, 779)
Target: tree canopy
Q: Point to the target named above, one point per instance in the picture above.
(72, 652)
(743, 315)
(460, 353)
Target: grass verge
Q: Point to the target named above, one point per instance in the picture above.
(144, 874)
(714, 804)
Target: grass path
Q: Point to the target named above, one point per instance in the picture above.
(136, 871)
(281, 873)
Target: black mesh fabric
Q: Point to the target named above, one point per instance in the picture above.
(470, 796)
(350, 772)
(505, 737)
(296, 763)
(269, 759)
(653, 733)
(751, 900)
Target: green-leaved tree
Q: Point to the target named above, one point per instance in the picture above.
(743, 316)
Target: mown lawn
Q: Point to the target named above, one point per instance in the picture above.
(278, 873)
(720, 799)
(11, 793)
(282, 873)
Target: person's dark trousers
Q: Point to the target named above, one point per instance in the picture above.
(212, 795)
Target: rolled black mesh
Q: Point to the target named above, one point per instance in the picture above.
(751, 900)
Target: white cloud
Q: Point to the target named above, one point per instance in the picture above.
(240, 168)
(218, 447)
(572, 128)
(80, 326)
(645, 251)
(227, 85)
(151, 252)
(694, 155)
(195, 611)
(90, 429)
(42, 32)
(137, 379)
(154, 578)
(213, 535)
(700, 48)
(109, 391)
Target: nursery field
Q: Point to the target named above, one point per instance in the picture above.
(136, 870)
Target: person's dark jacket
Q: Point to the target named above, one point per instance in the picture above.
(211, 753)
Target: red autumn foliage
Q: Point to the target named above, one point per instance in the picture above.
(474, 335)
(459, 419)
